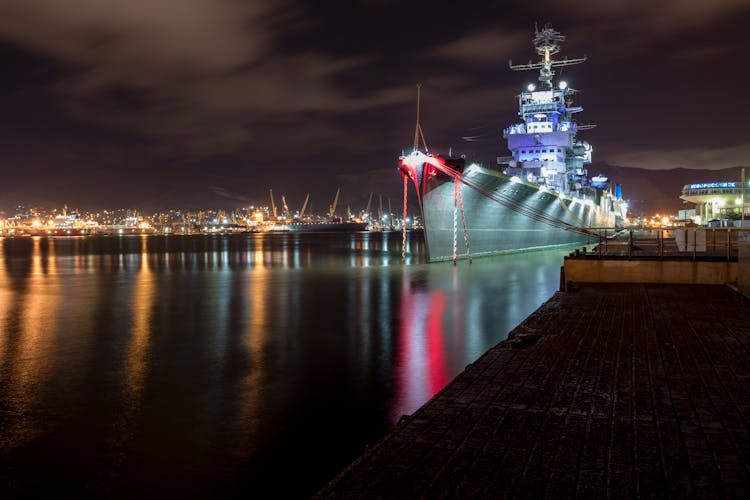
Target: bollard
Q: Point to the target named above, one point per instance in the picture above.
(630, 243)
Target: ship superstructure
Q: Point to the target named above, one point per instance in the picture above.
(539, 197)
(544, 146)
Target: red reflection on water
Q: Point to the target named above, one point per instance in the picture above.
(435, 343)
(421, 366)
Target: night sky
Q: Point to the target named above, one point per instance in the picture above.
(168, 103)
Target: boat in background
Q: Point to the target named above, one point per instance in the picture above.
(540, 197)
(332, 222)
(326, 226)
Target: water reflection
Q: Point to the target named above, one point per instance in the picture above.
(30, 302)
(250, 393)
(231, 359)
(136, 362)
(450, 315)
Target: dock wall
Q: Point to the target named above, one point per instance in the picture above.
(743, 261)
(586, 270)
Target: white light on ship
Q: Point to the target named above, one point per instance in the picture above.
(531, 87)
(563, 85)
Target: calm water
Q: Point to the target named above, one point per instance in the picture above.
(207, 366)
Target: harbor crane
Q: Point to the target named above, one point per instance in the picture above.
(283, 204)
(332, 212)
(273, 205)
(304, 206)
(367, 210)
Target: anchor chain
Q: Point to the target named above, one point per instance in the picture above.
(403, 223)
(455, 217)
(463, 220)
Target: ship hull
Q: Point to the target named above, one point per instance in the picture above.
(74, 231)
(496, 228)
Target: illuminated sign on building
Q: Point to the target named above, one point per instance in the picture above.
(711, 185)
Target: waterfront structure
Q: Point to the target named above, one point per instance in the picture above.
(718, 201)
(539, 197)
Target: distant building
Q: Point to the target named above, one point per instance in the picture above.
(686, 215)
(718, 200)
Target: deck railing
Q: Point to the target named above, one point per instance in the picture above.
(696, 243)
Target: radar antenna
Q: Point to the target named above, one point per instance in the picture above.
(547, 43)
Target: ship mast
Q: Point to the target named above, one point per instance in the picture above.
(418, 128)
(547, 43)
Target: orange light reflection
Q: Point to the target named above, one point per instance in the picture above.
(137, 355)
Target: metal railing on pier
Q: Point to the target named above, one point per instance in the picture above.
(693, 243)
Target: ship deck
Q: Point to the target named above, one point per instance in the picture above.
(625, 390)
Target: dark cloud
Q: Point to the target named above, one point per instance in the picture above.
(487, 48)
(206, 69)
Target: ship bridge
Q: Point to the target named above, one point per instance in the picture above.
(544, 146)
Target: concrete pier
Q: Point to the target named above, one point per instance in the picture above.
(622, 390)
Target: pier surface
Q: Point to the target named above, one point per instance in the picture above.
(604, 391)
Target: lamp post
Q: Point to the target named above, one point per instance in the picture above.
(742, 216)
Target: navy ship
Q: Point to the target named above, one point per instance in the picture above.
(336, 224)
(537, 198)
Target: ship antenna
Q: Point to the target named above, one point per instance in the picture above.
(418, 129)
(547, 43)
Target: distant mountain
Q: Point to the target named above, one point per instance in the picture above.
(658, 191)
